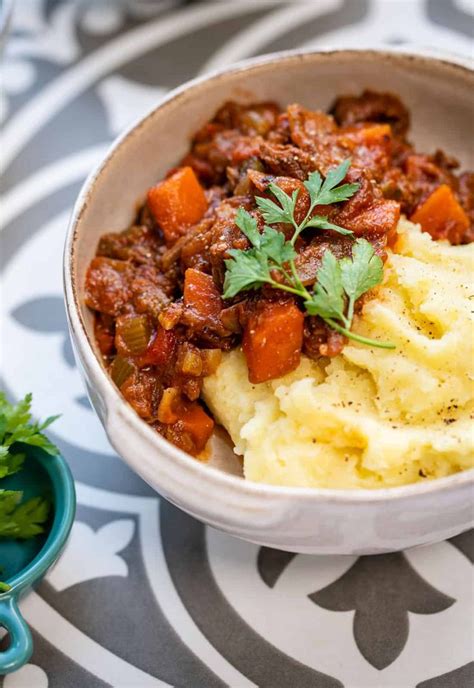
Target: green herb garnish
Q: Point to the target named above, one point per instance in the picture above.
(339, 283)
(20, 519)
(16, 429)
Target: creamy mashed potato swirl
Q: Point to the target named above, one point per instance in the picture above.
(369, 417)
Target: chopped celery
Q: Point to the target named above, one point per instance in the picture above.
(135, 333)
(121, 369)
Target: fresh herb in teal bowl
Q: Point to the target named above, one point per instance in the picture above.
(37, 506)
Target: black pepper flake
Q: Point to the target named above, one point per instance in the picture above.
(448, 421)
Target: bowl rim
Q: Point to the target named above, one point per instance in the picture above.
(64, 494)
(184, 462)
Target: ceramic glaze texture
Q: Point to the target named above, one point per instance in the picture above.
(439, 95)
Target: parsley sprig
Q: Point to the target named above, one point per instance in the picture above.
(320, 193)
(16, 429)
(339, 283)
(20, 519)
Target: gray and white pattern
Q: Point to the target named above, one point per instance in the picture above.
(145, 595)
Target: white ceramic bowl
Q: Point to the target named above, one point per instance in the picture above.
(439, 95)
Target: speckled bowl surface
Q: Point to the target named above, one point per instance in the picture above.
(439, 93)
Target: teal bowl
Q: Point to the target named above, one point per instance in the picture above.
(25, 562)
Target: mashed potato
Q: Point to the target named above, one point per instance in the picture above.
(369, 417)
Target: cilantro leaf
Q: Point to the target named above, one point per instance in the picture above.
(363, 272)
(22, 520)
(328, 295)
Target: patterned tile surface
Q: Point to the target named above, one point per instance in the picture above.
(145, 595)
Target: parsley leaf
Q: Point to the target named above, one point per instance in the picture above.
(363, 272)
(313, 186)
(251, 269)
(320, 193)
(22, 520)
(245, 270)
(328, 296)
(10, 462)
(248, 226)
(338, 280)
(15, 427)
(272, 212)
(275, 246)
(330, 192)
(322, 222)
(339, 283)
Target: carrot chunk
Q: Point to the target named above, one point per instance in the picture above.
(369, 135)
(185, 417)
(272, 340)
(442, 216)
(177, 203)
(195, 421)
(201, 293)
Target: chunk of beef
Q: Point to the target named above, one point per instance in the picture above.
(287, 161)
(108, 285)
(366, 212)
(309, 259)
(321, 340)
(104, 331)
(226, 235)
(139, 244)
(372, 107)
(369, 147)
(256, 119)
(143, 392)
(210, 158)
(316, 133)
(416, 179)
